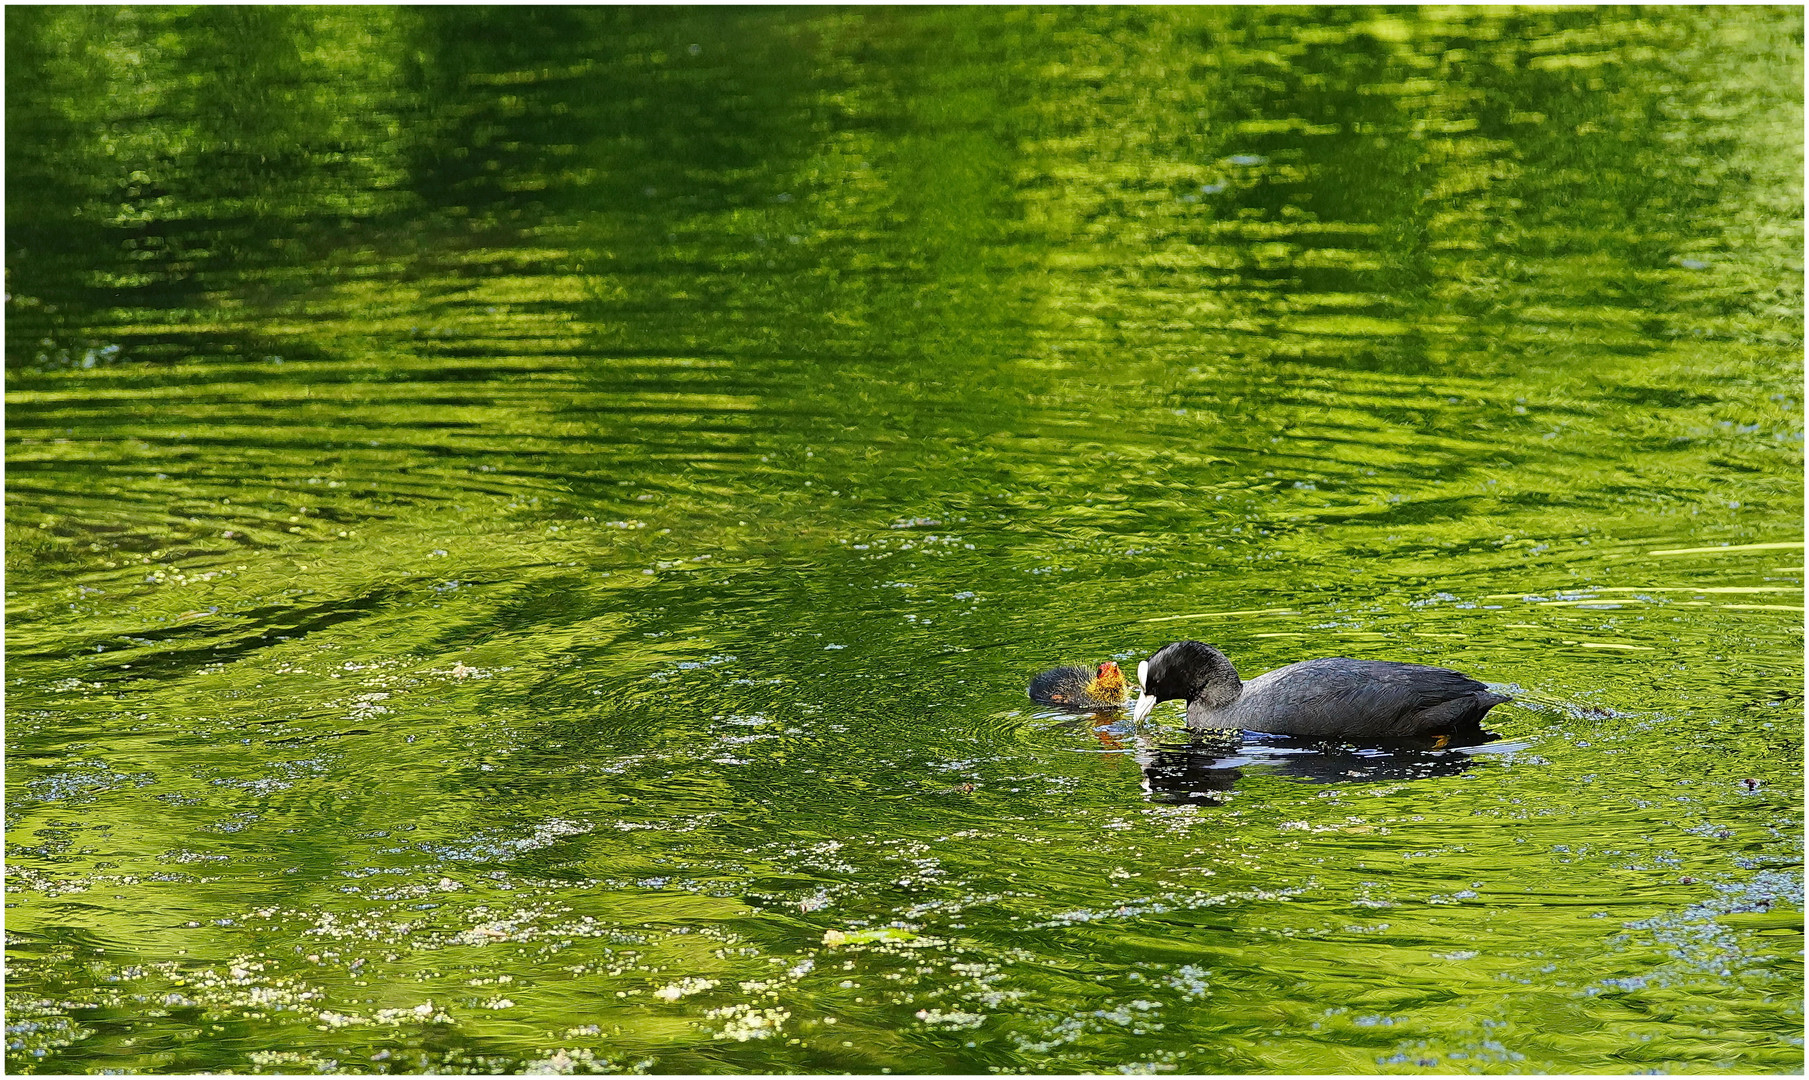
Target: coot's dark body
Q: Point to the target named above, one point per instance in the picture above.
(1334, 698)
(1080, 688)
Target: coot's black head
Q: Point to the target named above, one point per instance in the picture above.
(1185, 670)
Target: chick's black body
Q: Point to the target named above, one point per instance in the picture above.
(1332, 698)
(1080, 688)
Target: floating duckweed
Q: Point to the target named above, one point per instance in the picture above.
(746, 1022)
(684, 988)
(883, 935)
(953, 1019)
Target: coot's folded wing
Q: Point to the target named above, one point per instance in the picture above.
(1348, 698)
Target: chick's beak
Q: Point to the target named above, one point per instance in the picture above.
(1145, 702)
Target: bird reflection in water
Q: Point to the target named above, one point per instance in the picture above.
(1204, 771)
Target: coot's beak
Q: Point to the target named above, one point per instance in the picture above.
(1145, 703)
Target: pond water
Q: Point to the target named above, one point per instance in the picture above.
(527, 532)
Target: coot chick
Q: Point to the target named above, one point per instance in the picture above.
(1334, 698)
(1080, 688)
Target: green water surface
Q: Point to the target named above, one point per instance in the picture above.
(527, 531)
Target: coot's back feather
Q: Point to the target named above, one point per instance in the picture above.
(1338, 696)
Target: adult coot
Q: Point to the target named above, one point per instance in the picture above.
(1334, 698)
(1081, 688)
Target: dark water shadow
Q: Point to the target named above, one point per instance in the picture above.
(1205, 772)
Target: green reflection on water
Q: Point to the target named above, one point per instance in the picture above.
(528, 532)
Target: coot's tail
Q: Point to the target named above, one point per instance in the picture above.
(1462, 723)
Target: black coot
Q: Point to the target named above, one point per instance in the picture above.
(1335, 698)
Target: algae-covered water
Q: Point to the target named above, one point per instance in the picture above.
(527, 532)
